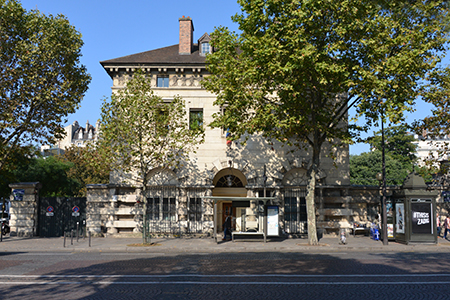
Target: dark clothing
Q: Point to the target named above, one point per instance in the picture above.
(227, 223)
(227, 227)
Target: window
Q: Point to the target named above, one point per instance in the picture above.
(195, 209)
(162, 81)
(169, 209)
(164, 210)
(196, 118)
(206, 48)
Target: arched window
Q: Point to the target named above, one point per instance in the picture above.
(229, 181)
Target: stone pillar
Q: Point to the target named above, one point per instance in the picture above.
(97, 208)
(24, 208)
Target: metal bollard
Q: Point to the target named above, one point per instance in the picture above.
(89, 239)
(78, 232)
(64, 244)
(71, 236)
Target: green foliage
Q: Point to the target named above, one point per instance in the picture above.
(430, 173)
(65, 175)
(42, 80)
(373, 54)
(398, 143)
(365, 166)
(436, 125)
(88, 166)
(52, 173)
(17, 160)
(140, 131)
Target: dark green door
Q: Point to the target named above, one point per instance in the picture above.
(61, 214)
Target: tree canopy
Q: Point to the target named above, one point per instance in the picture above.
(365, 167)
(42, 79)
(88, 166)
(296, 68)
(398, 143)
(52, 172)
(436, 125)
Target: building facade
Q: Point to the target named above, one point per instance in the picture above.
(75, 135)
(221, 171)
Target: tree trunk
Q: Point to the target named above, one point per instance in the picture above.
(143, 197)
(311, 209)
(310, 197)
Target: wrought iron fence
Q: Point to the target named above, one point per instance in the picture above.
(295, 216)
(161, 217)
(195, 211)
(163, 208)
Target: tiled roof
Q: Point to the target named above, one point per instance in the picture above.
(162, 56)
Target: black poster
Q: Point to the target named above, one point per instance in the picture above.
(421, 217)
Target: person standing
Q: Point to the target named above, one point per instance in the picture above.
(438, 225)
(446, 226)
(227, 227)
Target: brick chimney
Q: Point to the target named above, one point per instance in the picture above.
(186, 36)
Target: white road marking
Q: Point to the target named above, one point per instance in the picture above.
(221, 283)
(229, 275)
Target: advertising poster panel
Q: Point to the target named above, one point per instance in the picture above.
(390, 219)
(421, 218)
(272, 220)
(400, 218)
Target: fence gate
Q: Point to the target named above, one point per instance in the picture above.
(162, 211)
(195, 210)
(61, 214)
(295, 216)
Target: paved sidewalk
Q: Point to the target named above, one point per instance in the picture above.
(207, 245)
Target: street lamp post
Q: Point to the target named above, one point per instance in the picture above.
(383, 187)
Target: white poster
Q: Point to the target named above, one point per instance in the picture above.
(272, 220)
(400, 218)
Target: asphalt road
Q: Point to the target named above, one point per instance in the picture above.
(266, 275)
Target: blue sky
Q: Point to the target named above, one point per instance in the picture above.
(112, 28)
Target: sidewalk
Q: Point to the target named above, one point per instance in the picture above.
(207, 245)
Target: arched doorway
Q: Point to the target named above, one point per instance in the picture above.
(228, 182)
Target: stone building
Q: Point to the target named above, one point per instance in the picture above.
(75, 135)
(221, 172)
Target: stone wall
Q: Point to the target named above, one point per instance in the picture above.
(24, 208)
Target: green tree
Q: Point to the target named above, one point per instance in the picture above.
(141, 132)
(436, 125)
(298, 66)
(365, 167)
(18, 160)
(88, 166)
(398, 144)
(52, 173)
(42, 80)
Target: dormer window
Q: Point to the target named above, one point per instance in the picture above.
(204, 44)
(206, 48)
